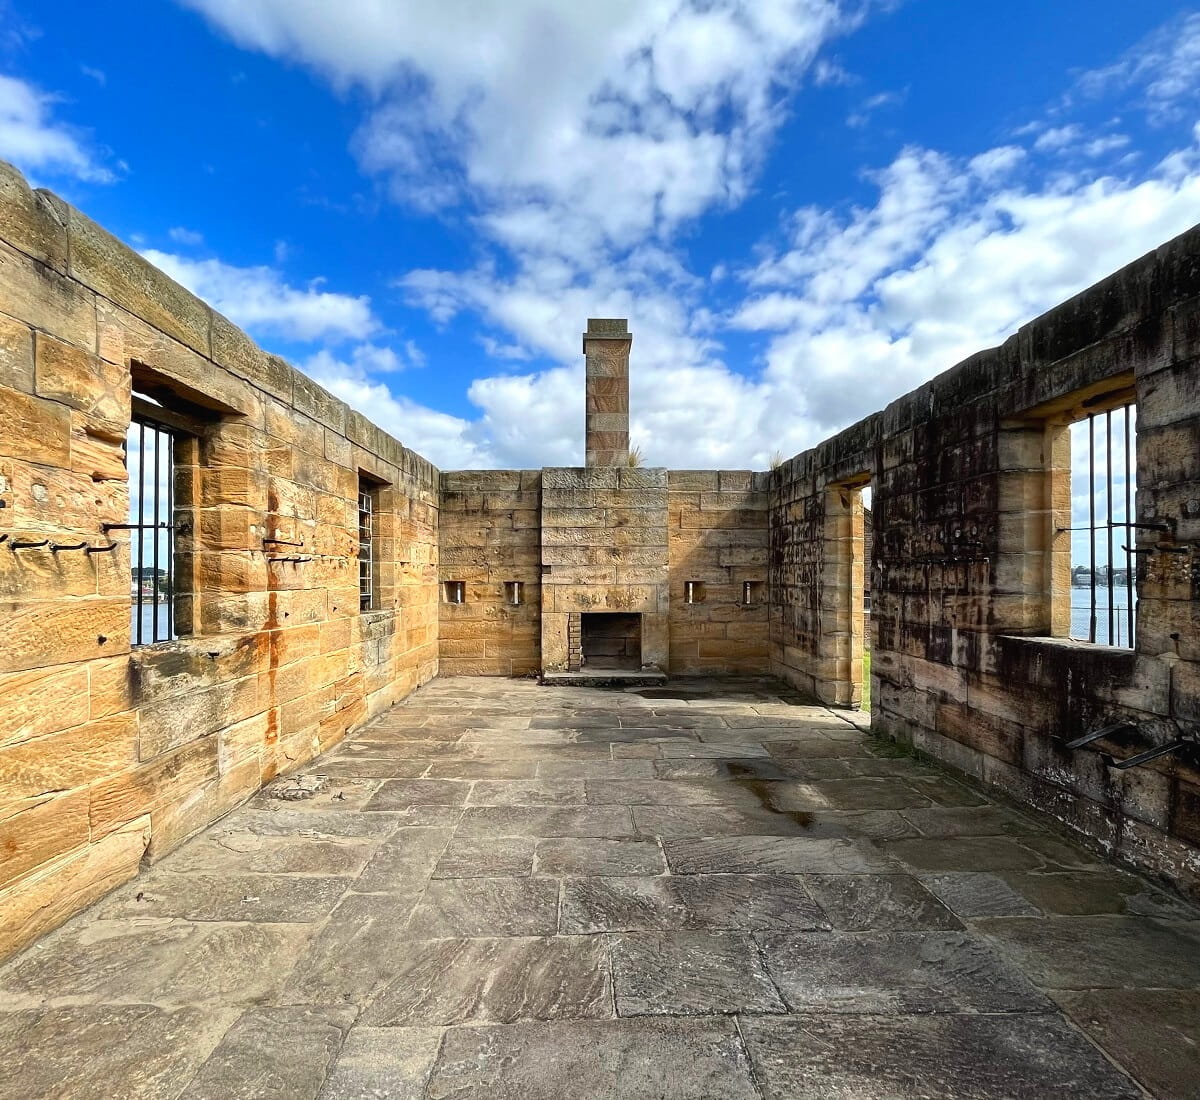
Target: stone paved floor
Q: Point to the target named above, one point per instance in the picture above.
(501, 890)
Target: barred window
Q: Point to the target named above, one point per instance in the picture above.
(368, 572)
(150, 459)
(1103, 527)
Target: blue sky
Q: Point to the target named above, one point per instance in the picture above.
(805, 207)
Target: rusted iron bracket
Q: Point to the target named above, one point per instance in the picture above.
(1150, 754)
(1114, 730)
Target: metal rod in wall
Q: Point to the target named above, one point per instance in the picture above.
(141, 543)
(1129, 517)
(1112, 614)
(1092, 522)
(171, 539)
(156, 435)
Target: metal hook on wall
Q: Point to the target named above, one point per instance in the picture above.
(101, 549)
(55, 547)
(28, 545)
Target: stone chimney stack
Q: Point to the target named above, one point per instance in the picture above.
(606, 352)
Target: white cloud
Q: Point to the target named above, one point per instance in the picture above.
(583, 138)
(575, 125)
(365, 360)
(447, 441)
(861, 117)
(35, 142)
(183, 236)
(865, 307)
(1058, 137)
(260, 301)
(1164, 68)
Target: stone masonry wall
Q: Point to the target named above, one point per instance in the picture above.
(490, 535)
(604, 548)
(970, 478)
(717, 537)
(109, 756)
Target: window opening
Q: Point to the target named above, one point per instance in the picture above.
(150, 461)
(1103, 571)
(367, 596)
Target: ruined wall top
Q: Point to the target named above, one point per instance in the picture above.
(92, 261)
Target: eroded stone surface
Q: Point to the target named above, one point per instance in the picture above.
(155, 961)
(98, 1052)
(1154, 1033)
(392, 1062)
(673, 1059)
(1012, 1057)
(690, 973)
(895, 972)
(486, 857)
(471, 912)
(979, 894)
(860, 903)
(486, 906)
(571, 856)
(712, 902)
(495, 980)
(273, 1052)
(1101, 952)
(767, 854)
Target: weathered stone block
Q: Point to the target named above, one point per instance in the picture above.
(103, 264)
(42, 901)
(34, 831)
(16, 355)
(35, 430)
(32, 221)
(83, 381)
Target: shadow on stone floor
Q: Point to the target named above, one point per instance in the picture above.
(709, 889)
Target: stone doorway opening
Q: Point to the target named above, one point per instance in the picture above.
(611, 640)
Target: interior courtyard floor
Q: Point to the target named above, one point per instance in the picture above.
(706, 889)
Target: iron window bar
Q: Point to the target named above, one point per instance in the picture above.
(1105, 489)
(366, 550)
(160, 601)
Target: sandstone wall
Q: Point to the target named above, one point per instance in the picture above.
(110, 755)
(970, 481)
(604, 548)
(717, 538)
(490, 536)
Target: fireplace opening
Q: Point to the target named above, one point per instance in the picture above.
(611, 640)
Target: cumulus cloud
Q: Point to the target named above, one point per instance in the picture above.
(258, 299)
(576, 125)
(33, 140)
(584, 139)
(447, 441)
(865, 307)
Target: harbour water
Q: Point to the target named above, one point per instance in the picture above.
(1081, 612)
(149, 613)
